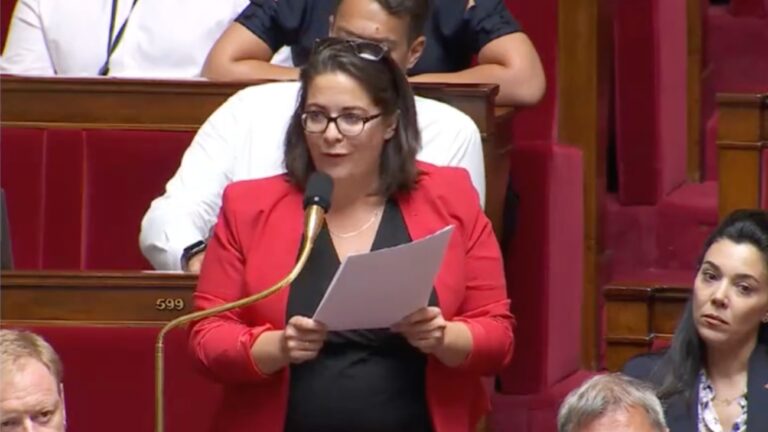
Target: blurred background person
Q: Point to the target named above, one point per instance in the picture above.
(442, 51)
(157, 38)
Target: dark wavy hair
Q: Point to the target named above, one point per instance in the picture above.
(389, 90)
(678, 371)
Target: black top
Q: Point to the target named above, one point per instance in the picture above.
(362, 380)
(454, 34)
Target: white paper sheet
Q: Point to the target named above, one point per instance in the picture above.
(378, 289)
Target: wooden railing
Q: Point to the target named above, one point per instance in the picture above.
(637, 315)
(95, 298)
(741, 137)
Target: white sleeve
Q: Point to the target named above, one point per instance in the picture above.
(26, 51)
(449, 137)
(189, 208)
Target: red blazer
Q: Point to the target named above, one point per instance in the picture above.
(254, 245)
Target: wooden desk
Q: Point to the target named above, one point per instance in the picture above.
(741, 138)
(637, 314)
(94, 298)
(97, 298)
(98, 103)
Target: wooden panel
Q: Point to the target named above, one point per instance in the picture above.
(623, 349)
(739, 176)
(741, 137)
(628, 317)
(742, 117)
(667, 308)
(584, 47)
(95, 298)
(496, 155)
(110, 103)
(169, 105)
(638, 313)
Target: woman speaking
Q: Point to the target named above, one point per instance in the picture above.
(283, 371)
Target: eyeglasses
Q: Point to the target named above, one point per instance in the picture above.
(362, 48)
(348, 124)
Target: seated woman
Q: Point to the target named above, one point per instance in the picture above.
(283, 371)
(439, 45)
(714, 377)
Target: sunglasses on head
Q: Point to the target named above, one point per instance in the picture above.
(362, 48)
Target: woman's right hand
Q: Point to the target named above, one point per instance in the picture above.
(303, 338)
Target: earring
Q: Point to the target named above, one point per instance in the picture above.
(765, 319)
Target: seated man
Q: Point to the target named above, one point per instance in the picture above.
(243, 140)
(157, 39)
(609, 403)
(31, 388)
(439, 50)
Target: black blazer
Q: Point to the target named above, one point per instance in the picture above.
(683, 418)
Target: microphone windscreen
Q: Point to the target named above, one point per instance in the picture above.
(319, 190)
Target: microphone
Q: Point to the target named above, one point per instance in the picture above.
(317, 202)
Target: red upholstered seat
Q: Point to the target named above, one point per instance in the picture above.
(738, 47)
(748, 8)
(651, 91)
(536, 412)
(76, 197)
(657, 220)
(545, 267)
(109, 380)
(544, 256)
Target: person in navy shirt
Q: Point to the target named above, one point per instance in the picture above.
(439, 43)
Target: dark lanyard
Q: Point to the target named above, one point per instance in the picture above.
(112, 42)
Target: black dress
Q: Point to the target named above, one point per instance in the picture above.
(454, 34)
(362, 380)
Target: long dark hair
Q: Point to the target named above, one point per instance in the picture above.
(390, 91)
(679, 370)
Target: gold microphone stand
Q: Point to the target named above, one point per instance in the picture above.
(314, 216)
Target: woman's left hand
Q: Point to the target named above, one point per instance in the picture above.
(424, 329)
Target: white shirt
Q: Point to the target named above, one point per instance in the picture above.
(162, 39)
(243, 139)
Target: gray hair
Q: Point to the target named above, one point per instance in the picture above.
(603, 394)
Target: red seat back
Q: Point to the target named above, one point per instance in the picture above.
(6, 11)
(109, 380)
(749, 8)
(76, 197)
(650, 60)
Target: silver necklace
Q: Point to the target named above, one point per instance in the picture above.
(358, 231)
